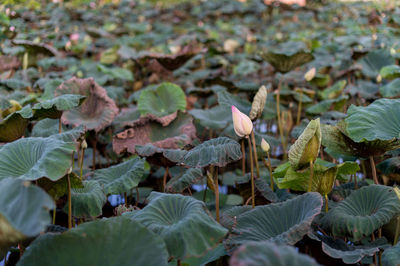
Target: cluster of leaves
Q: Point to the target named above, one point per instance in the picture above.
(118, 145)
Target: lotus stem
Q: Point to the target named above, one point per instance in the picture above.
(253, 140)
(270, 171)
(373, 169)
(278, 113)
(165, 179)
(137, 196)
(216, 195)
(59, 125)
(81, 164)
(243, 157)
(205, 193)
(375, 257)
(397, 231)
(69, 203)
(311, 176)
(355, 182)
(299, 108)
(54, 214)
(253, 203)
(326, 203)
(94, 151)
(178, 262)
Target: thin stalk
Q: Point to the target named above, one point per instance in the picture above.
(373, 169)
(178, 262)
(397, 231)
(311, 176)
(54, 215)
(165, 179)
(380, 251)
(253, 203)
(59, 125)
(205, 194)
(278, 113)
(137, 196)
(94, 151)
(253, 139)
(299, 108)
(270, 171)
(216, 194)
(355, 182)
(375, 257)
(81, 164)
(326, 203)
(126, 199)
(243, 157)
(69, 203)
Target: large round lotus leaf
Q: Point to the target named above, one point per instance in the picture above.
(46, 127)
(121, 178)
(392, 89)
(287, 57)
(97, 109)
(33, 158)
(172, 135)
(163, 100)
(286, 222)
(391, 256)
(306, 147)
(180, 182)
(269, 254)
(24, 211)
(13, 126)
(215, 118)
(349, 253)
(229, 216)
(54, 107)
(377, 121)
(114, 241)
(219, 151)
(363, 212)
(183, 222)
(374, 61)
(87, 201)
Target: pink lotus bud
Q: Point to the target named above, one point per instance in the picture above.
(241, 123)
(74, 37)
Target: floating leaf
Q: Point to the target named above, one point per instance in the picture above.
(363, 212)
(138, 246)
(257, 106)
(24, 212)
(179, 220)
(96, 111)
(219, 151)
(121, 178)
(181, 182)
(269, 253)
(33, 158)
(54, 107)
(306, 147)
(165, 99)
(286, 222)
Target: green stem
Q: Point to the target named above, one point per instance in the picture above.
(243, 157)
(326, 203)
(81, 164)
(278, 113)
(311, 176)
(253, 203)
(54, 215)
(59, 125)
(270, 171)
(165, 179)
(69, 203)
(299, 108)
(397, 231)
(137, 196)
(373, 169)
(253, 139)
(216, 194)
(126, 199)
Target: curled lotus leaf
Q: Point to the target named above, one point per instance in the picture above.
(176, 134)
(37, 48)
(96, 111)
(121, 235)
(306, 147)
(285, 222)
(13, 126)
(269, 253)
(362, 212)
(257, 106)
(178, 220)
(180, 182)
(53, 108)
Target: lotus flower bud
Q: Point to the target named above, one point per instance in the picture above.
(310, 74)
(241, 123)
(264, 145)
(69, 170)
(84, 144)
(379, 78)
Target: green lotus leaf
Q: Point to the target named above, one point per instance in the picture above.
(350, 254)
(121, 178)
(390, 166)
(96, 111)
(341, 192)
(53, 108)
(227, 99)
(269, 253)
(391, 256)
(374, 61)
(24, 212)
(219, 151)
(212, 255)
(165, 99)
(306, 147)
(33, 158)
(217, 117)
(333, 91)
(229, 216)
(13, 126)
(180, 182)
(125, 242)
(116, 72)
(46, 127)
(390, 72)
(59, 188)
(87, 201)
(364, 89)
(179, 220)
(37, 48)
(363, 212)
(390, 90)
(175, 134)
(287, 57)
(325, 105)
(377, 121)
(285, 222)
(264, 188)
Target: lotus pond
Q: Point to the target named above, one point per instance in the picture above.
(215, 132)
